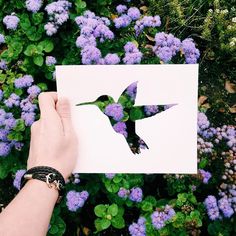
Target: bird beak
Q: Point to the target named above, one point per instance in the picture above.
(85, 103)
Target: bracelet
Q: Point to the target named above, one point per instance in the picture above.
(47, 174)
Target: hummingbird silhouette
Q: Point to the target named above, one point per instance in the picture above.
(123, 114)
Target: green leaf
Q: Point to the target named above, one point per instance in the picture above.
(146, 206)
(37, 18)
(13, 135)
(53, 230)
(38, 60)
(117, 179)
(113, 209)
(118, 222)
(20, 125)
(35, 34)
(25, 22)
(2, 78)
(100, 210)
(135, 114)
(30, 50)
(203, 163)
(43, 86)
(102, 224)
(47, 45)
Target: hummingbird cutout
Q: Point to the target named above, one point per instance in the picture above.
(123, 115)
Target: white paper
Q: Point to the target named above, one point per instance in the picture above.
(171, 135)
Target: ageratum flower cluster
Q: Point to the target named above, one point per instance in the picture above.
(58, 14)
(160, 218)
(76, 200)
(34, 5)
(135, 194)
(16, 109)
(138, 228)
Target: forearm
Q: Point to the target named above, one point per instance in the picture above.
(30, 211)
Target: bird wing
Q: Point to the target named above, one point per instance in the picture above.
(129, 95)
(142, 112)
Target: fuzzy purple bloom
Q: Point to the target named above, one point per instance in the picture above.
(134, 13)
(132, 54)
(33, 91)
(11, 22)
(110, 175)
(90, 55)
(50, 60)
(50, 28)
(33, 5)
(122, 21)
(25, 81)
(132, 90)
(82, 41)
(121, 9)
(123, 193)
(28, 117)
(136, 194)
(4, 149)
(225, 207)
(139, 228)
(2, 39)
(190, 51)
(112, 59)
(114, 110)
(120, 127)
(76, 200)
(18, 176)
(13, 100)
(205, 175)
(212, 208)
(3, 64)
(150, 110)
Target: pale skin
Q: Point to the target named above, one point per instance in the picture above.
(53, 143)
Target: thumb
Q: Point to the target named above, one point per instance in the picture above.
(64, 111)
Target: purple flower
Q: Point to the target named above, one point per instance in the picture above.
(9, 122)
(134, 13)
(166, 46)
(50, 60)
(139, 228)
(3, 65)
(2, 39)
(76, 200)
(212, 208)
(132, 54)
(225, 207)
(3, 134)
(4, 149)
(33, 5)
(205, 175)
(50, 28)
(121, 9)
(17, 180)
(11, 22)
(27, 106)
(158, 219)
(120, 127)
(25, 81)
(33, 91)
(150, 110)
(190, 51)
(13, 100)
(114, 110)
(132, 90)
(147, 21)
(83, 41)
(202, 121)
(1, 94)
(28, 117)
(123, 193)
(90, 55)
(110, 175)
(136, 194)
(112, 59)
(122, 21)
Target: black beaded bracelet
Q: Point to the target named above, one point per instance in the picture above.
(51, 176)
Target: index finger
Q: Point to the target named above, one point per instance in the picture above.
(47, 105)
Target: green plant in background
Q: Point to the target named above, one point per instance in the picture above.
(122, 204)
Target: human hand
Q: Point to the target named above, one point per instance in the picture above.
(53, 140)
